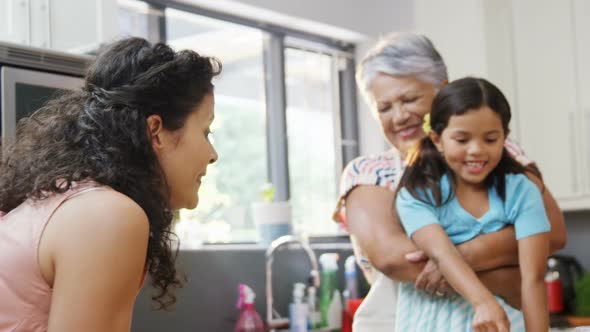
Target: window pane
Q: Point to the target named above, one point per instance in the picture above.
(133, 18)
(239, 129)
(310, 129)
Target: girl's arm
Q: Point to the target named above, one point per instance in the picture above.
(524, 205)
(375, 228)
(532, 252)
(558, 235)
(437, 245)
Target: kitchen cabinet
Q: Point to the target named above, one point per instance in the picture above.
(64, 25)
(15, 21)
(581, 10)
(551, 48)
(538, 53)
(81, 26)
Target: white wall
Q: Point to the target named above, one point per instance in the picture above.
(456, 28)
(368, 17)
(474, 38)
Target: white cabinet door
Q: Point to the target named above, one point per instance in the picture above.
(546, 87)
(14, 21)
(80, 26)
(581, 10)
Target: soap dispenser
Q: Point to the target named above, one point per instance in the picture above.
(298, 311)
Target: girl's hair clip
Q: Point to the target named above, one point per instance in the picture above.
(426, 124)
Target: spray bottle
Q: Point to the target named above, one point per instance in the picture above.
(249, 320)
(328, 277)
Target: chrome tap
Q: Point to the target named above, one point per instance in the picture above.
(283, 240)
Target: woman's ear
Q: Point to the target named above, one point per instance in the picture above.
(435, 138)
(154, 127)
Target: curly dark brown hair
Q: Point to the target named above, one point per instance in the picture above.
(100, 133)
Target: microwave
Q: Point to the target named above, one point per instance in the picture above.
(29, 77)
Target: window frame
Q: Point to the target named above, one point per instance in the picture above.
(277, 39)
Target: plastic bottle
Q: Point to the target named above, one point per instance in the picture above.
(335, 312)
(350, 277)
(249, 320)
(314, 319)
(554, 287)
(329, 267)
(298, 311)
(346, 316)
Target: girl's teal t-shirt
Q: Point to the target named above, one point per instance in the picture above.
(522, 208)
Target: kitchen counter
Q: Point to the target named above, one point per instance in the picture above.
(568, 323)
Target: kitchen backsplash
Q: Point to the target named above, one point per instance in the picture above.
(208, 300)
(578, 233)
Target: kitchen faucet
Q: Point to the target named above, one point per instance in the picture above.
(276, 244)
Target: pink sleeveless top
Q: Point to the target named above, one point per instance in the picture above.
(25, 297)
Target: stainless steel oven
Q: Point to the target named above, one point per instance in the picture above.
(31, 76)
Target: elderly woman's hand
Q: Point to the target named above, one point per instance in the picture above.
(430, 279)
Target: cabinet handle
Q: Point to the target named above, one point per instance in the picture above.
(574, 169)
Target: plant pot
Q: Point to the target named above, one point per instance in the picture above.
(272, 220)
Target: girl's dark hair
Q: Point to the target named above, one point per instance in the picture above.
(100, 133)
(426, 164)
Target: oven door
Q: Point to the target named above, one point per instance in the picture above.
(23, 91)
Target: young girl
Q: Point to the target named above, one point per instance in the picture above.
(460, 183)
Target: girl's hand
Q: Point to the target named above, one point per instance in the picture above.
(490, 317)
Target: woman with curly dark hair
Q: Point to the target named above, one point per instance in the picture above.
(89, 188)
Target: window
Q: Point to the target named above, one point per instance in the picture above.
(270, 88)
(134, 18)
(233, 182)
(313, 174)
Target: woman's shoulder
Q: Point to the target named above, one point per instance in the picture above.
(384, 163)
(105, 212)
(380, 170)
(106, 202)
(389, 156)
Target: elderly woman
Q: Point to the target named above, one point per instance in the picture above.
(399, 78)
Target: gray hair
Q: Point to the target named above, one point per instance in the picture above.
(403, 54)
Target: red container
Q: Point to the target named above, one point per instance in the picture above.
(348, 314)
(554, 295)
